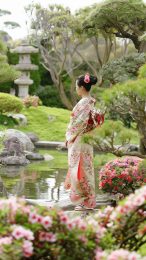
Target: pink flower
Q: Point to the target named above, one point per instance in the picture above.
(122, 254)
(100, 255)
(39, 219)
(33, 217)
(83, 239)
(70, 225)
(50, 237)
(27, 248)
(47, 222)
(20, 232)
(64, 218)
(42, 236)
(80, 223)
(5, 241)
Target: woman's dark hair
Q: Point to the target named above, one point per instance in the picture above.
(86, 81)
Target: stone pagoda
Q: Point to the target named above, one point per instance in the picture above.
(24, 66)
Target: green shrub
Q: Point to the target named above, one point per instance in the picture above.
(8, 121)
(50, 96)
(9, 103)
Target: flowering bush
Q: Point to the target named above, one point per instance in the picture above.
(40, 233)
(119, 254)
(122, 176)
(32, 101)
(126, 222)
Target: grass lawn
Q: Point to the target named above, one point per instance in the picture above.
(53, 130)
(39, 123)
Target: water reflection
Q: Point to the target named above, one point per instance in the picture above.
(20, 181)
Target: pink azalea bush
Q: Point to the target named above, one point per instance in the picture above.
(122, 176)
(33, 232)
(33, 101)
(120, 254)
(28, 231)
(126, 222)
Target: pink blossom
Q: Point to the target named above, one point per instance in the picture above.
(20, 232)
(50, 237)
(47, 236)
(70, 225)
(47, 222)
(5, 241)
(64, 218)
(42, 236)
(83, 239)
(122, 254)
(27, 248)
(100, 255)
(33, 217)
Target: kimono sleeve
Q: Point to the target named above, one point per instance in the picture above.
(78, 122)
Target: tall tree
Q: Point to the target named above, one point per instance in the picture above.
(7, 72)
(55, 35)
(130, 97)
(125, 19)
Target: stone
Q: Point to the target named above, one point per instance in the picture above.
(22, 120)
(51, 118)
(133, 148)
(34, 156)
(48, 157)
(13, 146)
(23, 138)
(33, 137)
(14, 160)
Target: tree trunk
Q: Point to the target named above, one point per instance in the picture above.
(142, 143)
(65, 100)
(142, 47)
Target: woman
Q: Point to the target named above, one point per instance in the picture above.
(80, 176)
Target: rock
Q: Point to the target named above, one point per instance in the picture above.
(12, 170)
(133, 148)
(14, 160)
(23, 138)
(13, 146)
(34, 156)
(33, 137)
(48, 157)
(51, 118)
(22, 120)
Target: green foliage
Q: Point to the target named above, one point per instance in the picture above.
(35, 75)
(126, 222)
(122, 18)
(142, 71)
(9, 103)
(7, 72)
(50, 96)
(8, 121)
(135, 88)
(111, 131)
(122, 69)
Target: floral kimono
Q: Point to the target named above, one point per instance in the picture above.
(80, 177)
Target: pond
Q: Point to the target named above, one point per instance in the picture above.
(39, 180)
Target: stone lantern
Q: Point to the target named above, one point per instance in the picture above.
(24, 66)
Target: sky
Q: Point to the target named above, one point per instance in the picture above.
(16, 7)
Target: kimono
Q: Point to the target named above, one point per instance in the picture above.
(80, 176)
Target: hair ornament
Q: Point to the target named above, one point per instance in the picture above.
(87, 78)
